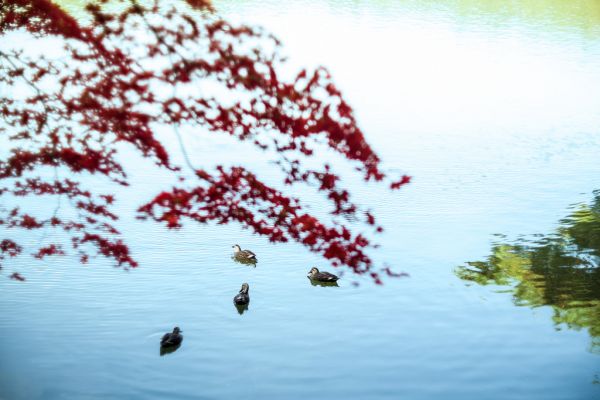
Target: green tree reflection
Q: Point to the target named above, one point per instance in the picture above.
(560, 270)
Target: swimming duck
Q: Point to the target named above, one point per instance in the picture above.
(314, 274)
(242, 297)
(243, 255)
(172, 339)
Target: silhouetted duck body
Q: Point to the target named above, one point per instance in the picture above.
(172, 339)
(318, 276)
(242, 297)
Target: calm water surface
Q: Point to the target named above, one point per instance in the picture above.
(492, 107)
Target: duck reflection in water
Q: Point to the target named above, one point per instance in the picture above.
(169, 349)
(245, 261)
(319, 283)
(241, 308)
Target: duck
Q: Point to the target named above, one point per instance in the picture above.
(243, 255)
(242, 298)
(172, 339)
(315, 275)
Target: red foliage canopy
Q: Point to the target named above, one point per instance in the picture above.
(109, 88)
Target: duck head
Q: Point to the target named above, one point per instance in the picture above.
(313, 272)
(236, 248)
(176, 330)
(245, 288)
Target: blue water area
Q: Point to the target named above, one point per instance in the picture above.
(492, 108)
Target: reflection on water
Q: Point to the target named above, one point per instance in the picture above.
(580, 16)
(560, 270)
(324, 284)
(168, 349)
(241, 308)
(489, 105)
(244, 261)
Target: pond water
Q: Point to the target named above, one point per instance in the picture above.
(494, 110)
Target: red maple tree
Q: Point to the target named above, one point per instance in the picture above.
(108, 88)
